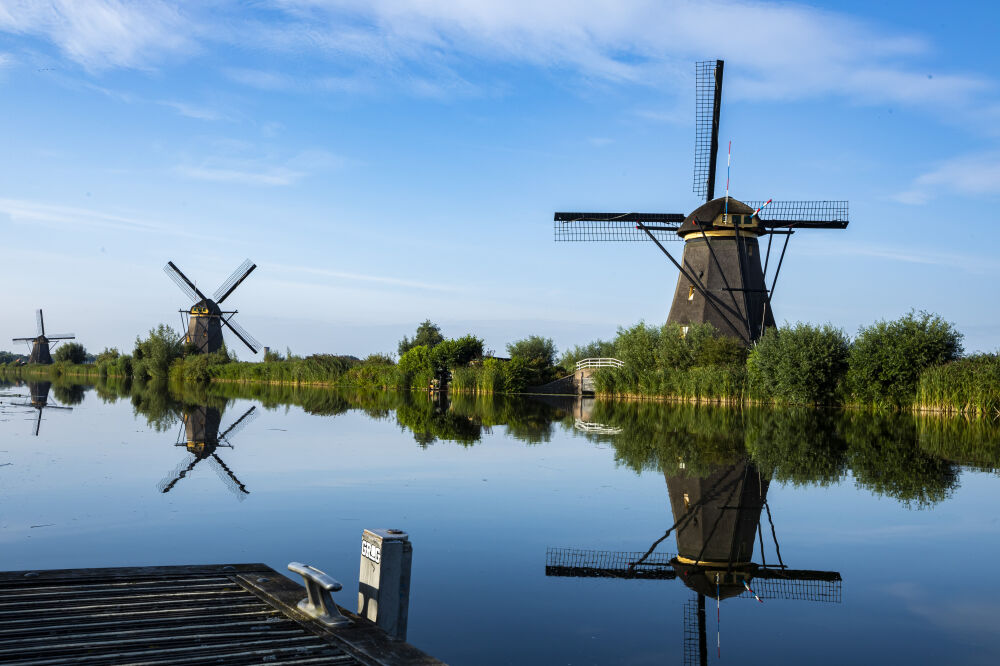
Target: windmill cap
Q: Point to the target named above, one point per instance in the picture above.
(706, 214)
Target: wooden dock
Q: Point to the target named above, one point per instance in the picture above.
(218, 614)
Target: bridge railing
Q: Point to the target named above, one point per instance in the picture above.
(599, 363)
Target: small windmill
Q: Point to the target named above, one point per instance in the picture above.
(42, 344)
(39, 400)
(200, 436)
(716, 523)
(721, 280)
(205, 318)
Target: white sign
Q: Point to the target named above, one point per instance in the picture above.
(371, 551)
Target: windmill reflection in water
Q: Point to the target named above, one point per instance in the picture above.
(716, 525)
(39, 400)
(200, 435)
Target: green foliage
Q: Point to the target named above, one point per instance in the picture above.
(969, 385)
(379, 359)
(533, 359)
(428, 334)
(70, 352)
(415, 367)
(887, 358)
(800, 364)
(152, 356)
(272, 356)
(534, 350)
(698, 365)
(9, 357)
(455, 353)
(595, 349)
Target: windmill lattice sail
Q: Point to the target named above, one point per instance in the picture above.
(205, 319)
(722, 276)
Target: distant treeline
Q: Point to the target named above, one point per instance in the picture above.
(914, 362)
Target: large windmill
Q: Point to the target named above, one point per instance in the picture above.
(205, 318)
(200, 436)
(42, 344)
(722, 280)
(716, 524)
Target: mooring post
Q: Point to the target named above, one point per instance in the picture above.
(384, 580)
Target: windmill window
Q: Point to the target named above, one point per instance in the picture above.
(750, 250)
(691, 293)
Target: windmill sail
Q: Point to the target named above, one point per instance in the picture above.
(708, 103)
(188, 287)
(242, 334)
(233, 281)
(39, 323)
(616, 226)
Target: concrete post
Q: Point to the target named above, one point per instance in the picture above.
(384, 580)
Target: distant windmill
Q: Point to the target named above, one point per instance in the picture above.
(205, 318)
(721, 279)
(39, 400)
(40, 347)
(200, 436)
(716, 523)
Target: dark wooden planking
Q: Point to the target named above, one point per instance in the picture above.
(239, 613)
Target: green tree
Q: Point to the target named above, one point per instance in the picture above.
(428, 334)
(595, 349)
(455, 353)
(801, 364)
(887, 357)
(152, 357)
(71, 352)
(534, 349)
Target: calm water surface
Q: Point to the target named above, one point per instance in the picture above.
(888, 526)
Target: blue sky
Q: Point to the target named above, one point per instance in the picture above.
(387, 162)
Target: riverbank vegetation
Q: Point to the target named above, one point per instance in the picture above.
(914, 362)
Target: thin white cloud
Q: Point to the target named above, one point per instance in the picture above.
(977, 174)
(22, 211)
(192, 110)
(269, 176)
(963, 262)
(100, 34)
(360, 277)
(431, 47)
(258, 171)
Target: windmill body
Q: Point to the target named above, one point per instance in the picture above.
(205, 326)
(722, 253)
(722, 274)
(205, 318)
(42, 343)
(40, 353)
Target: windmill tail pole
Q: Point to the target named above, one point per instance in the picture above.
(766, 204)
(729, 160)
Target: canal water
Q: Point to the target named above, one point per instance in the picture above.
(541, 530)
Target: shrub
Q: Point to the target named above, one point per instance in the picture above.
(428, 335)
(534, 350)
(801, 364)
(595, 349)
(71, 352)
(887, 357)
(153, 356)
